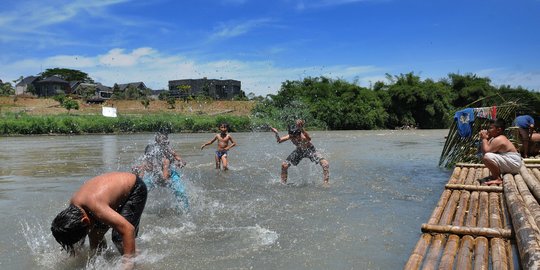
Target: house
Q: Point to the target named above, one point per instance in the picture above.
(42, 87)
(92, 92)
(137, 85)
(218, 89)
(23, 86)
(52, 86)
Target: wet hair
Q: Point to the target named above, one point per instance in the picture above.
(226, 125)
(68, 228)
(294, 130)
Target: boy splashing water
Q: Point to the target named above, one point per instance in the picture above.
(304, 149)
(160, 166)
(223, 139)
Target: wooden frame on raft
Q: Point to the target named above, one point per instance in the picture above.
(467, 229)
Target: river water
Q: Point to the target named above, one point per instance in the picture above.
(383, 186)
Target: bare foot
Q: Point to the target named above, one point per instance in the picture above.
(494, 182)
(485, 179)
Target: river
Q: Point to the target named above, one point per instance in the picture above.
(383, 186)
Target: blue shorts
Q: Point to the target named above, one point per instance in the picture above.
(221, 153)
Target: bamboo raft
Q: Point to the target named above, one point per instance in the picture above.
(480, 227)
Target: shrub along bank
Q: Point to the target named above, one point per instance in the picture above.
(22, 124)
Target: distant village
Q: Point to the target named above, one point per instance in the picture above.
(95, 92)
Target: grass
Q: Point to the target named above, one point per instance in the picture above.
(26, 116)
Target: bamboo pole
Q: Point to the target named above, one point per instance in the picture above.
(419, 251)
(483, 210)
(461, 164)
(464, 230)
(528, 247)
(464, 256)
(449, 254)
(474, 187)
(450, 208)
(531, 166)
(473, 210)
(432, 257)
(528, 199)
(531, 177)
(473, 173)
(461, 211)
(463, 175)
(481, 253)
(499, 259)
(437, 212)
(455, 175)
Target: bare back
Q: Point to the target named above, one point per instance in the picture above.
(109, 189)
(501, 144)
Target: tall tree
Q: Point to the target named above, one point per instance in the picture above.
(68, 74)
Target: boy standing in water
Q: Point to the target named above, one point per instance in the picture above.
(304, 149)
(223, 139)
(114, 200)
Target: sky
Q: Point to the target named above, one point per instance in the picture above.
(264, 43)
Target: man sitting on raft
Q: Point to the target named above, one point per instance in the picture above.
(500, 155)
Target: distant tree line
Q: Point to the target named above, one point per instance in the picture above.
(404, 100)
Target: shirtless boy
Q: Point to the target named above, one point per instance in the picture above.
(304, 149)
(114, 199)
(500, 155)
(223, 139)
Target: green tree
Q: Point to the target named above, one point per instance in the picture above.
(70, 104)
(469, 88)
(145, 102)
(67, 74)
(6, 89)
(426, 104)
(184, 91)
(117, 93)
(86, 91)
(133, 92)
(171, 101)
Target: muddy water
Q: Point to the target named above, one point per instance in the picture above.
(384, 185)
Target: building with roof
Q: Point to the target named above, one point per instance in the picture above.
(218, 89)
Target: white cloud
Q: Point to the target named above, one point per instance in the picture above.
(117, 57)
(303, 4)
(35, 17)
(504, 76)
(155, 69)
(234, 29)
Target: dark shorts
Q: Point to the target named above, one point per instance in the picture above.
(220, 154)
(131, 209)
(299, 154)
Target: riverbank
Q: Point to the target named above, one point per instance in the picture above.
(23, 124)
(32, 116)
(48, 106)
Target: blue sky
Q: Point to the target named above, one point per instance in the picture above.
(263, 43)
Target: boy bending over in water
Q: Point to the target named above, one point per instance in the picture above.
(304, 149)
(114, 200)
(223, 139)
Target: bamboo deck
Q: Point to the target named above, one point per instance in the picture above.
(480, 227)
